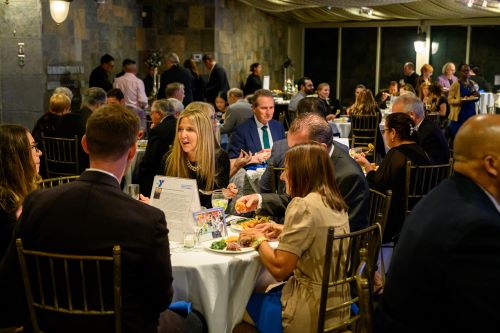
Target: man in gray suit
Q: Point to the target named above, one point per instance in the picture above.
(350, 179)
(238, 111)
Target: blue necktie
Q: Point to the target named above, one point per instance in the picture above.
(265, 137)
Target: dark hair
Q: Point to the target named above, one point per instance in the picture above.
(408, 87)
(116, 93)
(254, 66)
(260, 93)
(127, 62)
(308, 104)
(207, 57)
(191, 64)
(436, 89)
(318, 128)
(17, 169)
(106, 58)
(302, 81)
(310, 169)
(361, 86)
(403, 125)
(111, 131)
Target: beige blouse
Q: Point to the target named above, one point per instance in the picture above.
(304, 234)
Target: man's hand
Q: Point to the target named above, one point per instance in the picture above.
(247, 203)
(230, 191)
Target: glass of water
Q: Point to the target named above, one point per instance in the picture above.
(132, 190)
(219, 200)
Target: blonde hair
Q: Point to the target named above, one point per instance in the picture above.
(321, 85)
(365, 103)
(210, 112)
(59, 103)
(205, 149)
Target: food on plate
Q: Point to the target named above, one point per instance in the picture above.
(252, 223)
(218, 245)
(232, 239)
(240, 207)
(228, 244)
(233, 247)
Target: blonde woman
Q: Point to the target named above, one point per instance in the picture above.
(196, 154)
(448, 77)
(365, 104)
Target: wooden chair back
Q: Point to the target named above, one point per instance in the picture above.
(71, 286)
(53, 182)
(357, 252)
(420, 180)
(379, 204)
(364, 132)
(277, 185)
(61, 156)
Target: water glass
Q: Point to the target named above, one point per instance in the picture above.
(219, 200)
(132, 190)
(189, 240)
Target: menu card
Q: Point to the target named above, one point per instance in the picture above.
(210, 224)
(178, 199)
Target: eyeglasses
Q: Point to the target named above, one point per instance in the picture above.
(35, 147)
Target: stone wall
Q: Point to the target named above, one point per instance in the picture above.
(244, 35)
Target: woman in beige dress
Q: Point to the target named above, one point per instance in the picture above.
(316, 205)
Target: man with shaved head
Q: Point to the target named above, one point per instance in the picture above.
(445, 269)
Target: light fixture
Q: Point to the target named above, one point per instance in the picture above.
(485, 4)
(434, 47)
(59, 10)
(366, 11)
(419, 43)
(470, 3)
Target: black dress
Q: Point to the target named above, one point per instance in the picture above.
(253, 83)
(7, 223)
(391, 175)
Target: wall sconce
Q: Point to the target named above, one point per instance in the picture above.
(59, 10)
(419, 43)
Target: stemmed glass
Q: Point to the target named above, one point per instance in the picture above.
(219, 200)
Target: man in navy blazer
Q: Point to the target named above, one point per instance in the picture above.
(217, 79)
(445, 269)
(250, 137)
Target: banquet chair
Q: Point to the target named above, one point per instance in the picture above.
(277, 185)
(364, 131)
(420, 180)
(61, 156)
(53, 182)
(434, 117)
(348, 270)
(71, 291)
(379, 203)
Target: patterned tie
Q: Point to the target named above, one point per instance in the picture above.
(265, 137)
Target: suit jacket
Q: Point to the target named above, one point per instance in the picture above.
(178, 74)
(246, 137)
(217, 82)
(444, 271)
(433, 141)
(278, 160)
(161, 137)
(99, 78)
(352, 185)
(88, 217)
(413, 80)
(236, 114)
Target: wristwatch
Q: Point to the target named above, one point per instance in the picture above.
(256, 243)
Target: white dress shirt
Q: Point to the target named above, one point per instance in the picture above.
(133, 90)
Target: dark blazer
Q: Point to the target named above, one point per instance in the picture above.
(99, 78)
(252, 84)
(246, 137)
(88, 217)
(217, 82)
(433, 142)
(413, 80)
(278, 160)
(178, 74)
(161, 137)
(352, 185)
(445, 268)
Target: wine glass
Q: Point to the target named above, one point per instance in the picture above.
(354, 151)
(219, 200)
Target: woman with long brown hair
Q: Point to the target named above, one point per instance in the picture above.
(365, 104)
(316, 205)
(19, 166)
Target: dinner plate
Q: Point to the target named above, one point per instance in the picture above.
(237, 227)
(206, 245)
(470, 99)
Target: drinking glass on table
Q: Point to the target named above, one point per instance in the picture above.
(219, 200)
(354, 151)
(132, 190)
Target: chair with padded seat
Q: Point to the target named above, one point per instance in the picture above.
(65, 291)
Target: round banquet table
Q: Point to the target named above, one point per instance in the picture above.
(219, 285)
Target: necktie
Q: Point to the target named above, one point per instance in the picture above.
(265, 137)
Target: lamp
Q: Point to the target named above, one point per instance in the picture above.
(59, 10)
(434, 47)
(419, 43)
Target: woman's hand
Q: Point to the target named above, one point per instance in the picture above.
(261, 156)
(270, 230)
(143, 198)
(362, 161)
(249, 235)
(244, 159)
(230, 191)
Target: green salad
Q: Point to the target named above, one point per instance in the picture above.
(219, 245)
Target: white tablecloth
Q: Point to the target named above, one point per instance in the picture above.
(344, 128)
(218, 285)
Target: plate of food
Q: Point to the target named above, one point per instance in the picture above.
(228, 245)
(249, 223)
(470, 98)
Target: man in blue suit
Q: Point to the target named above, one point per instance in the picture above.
(444, 271)
(256, 136)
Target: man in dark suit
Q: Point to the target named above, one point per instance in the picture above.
(99, 76)
(430, 137)
(277, 159)
(350, 179)
(445, 268)
(217, 79)
(410, 76)
(238, 111)
(161, 137)
(257, 134)
(176, 73)
(88, 217)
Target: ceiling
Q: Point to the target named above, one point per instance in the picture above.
(338, 11)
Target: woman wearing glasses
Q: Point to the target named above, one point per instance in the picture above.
(19, 167)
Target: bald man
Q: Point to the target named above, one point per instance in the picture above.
(445, 270)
